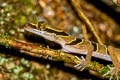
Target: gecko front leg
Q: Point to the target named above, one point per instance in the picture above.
(113, 71)
(85, 62)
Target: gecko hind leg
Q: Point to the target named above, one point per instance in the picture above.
(84, 62)
(116, 69)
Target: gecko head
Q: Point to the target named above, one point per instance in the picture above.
(44, 27)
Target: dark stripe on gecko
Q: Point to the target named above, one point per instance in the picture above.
(94, 45)
(42, 25)
(57, 33)
(75, 41)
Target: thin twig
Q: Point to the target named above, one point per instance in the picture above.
(84, 30)
(46, 53)
(85, 19)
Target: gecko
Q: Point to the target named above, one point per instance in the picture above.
(75, 45)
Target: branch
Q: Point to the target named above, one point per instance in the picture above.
(46, 53)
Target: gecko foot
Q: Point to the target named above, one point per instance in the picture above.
(114, 72)
(83, 63)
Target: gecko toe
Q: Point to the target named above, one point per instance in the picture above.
(83, 63)
(113, 72)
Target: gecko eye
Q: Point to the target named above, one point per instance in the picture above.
(41, 25)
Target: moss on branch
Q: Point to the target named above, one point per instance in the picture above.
(46, 53)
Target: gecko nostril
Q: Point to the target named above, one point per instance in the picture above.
(42, 32)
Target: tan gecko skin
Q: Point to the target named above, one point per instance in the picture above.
(78, 46)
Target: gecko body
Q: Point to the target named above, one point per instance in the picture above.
(78, 46)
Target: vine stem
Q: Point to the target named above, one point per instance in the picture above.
(81, 15)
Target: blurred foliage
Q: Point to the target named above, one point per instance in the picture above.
(13, 15)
